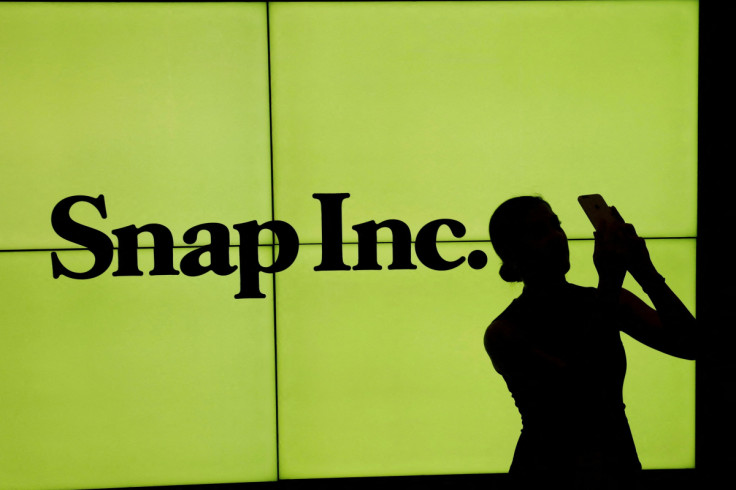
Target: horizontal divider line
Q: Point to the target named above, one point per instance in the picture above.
(320, 243)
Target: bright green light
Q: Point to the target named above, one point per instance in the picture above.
(132, 381)
(419, 110)
(444, 109)
(161, 107)
(384, 372)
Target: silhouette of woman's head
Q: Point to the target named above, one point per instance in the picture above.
(527, 236)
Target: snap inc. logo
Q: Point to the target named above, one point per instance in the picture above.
(250, 267)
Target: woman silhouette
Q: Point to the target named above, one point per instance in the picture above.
(559, 350)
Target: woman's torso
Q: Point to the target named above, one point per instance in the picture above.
(564, 364)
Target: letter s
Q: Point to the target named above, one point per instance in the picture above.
(96, 241)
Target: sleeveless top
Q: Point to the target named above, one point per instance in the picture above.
(564, 364)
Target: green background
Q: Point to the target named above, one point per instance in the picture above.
(384, 372)
(420, 111)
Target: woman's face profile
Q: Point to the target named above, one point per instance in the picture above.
(543, 251)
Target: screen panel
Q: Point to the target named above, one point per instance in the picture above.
(162, 108)
(384, 372)
(420, 111)
(132, 381)
(424, 110)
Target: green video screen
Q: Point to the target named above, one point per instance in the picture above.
(190, 113)
(106, 383)
(430, 110)
(160, 107)
(397, 382)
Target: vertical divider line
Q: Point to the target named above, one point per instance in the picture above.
(273, 244)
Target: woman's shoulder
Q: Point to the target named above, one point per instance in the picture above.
(501, 329)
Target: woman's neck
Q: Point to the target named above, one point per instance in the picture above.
(545, 287)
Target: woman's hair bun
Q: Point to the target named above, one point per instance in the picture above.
(509, 273)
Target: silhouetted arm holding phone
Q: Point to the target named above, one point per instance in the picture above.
(669, 327)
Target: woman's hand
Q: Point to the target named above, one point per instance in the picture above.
(638, 261)
(618, 248)
(609, 256)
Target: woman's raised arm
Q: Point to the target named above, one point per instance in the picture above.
(668, 327)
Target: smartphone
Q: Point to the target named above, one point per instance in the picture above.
(598, 212)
